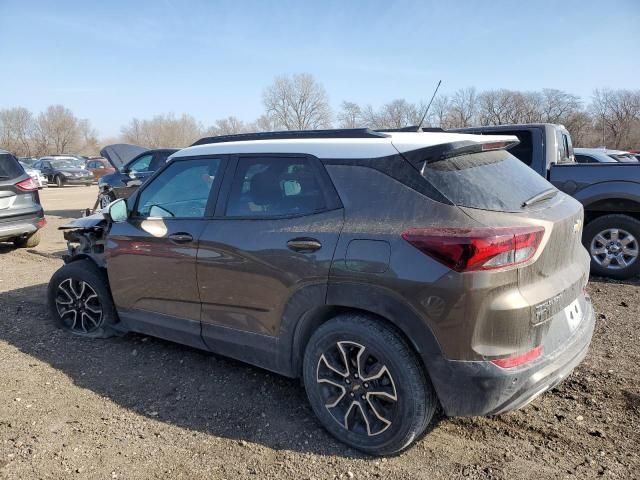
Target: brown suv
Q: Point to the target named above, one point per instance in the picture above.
(393, 272)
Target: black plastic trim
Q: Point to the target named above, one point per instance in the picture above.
(293, 134)
(399, 168)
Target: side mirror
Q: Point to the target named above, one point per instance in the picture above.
(118, 211)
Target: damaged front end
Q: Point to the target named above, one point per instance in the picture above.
(86, 238)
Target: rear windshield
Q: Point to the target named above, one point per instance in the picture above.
(489, 180)
(9, 167)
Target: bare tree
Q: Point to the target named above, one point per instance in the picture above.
(438, 115)
(297, 103)
(56, 130)
(163, 131)
(228, 126)
(396, 114)
(463, 108)
(16, 130)
(616, 113)
(494, 106)
(350, 115)
(557, 106)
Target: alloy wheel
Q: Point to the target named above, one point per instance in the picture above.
(357, 388)
(78, 306)
(614, 249)
(105, 200)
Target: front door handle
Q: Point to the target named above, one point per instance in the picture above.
(181, 237)
(304, 245)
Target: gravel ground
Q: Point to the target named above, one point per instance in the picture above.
(139, 407)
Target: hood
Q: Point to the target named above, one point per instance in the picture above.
(120, 154)
(91, 221)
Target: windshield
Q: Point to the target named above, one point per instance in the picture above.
(66, 163)
(489, 180)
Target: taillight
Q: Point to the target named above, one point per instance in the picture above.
(519, 359)
(28, 185)
(469, 249)
(41, 223)
(487, 147)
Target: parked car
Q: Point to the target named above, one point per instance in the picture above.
(133, 164)
(99, 167)
(21, 215)
(29, 161)
(64, 170)
(622, 156)
(393, 272)
(36, 174)
(609, 192)
(592, 155)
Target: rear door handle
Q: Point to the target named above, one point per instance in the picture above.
(181, 237)
(304, 245)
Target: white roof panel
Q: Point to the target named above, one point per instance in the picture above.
(341, 147)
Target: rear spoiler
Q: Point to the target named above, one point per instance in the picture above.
(443, 151)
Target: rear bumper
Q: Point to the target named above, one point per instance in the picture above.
(482, 388)
(20, 225)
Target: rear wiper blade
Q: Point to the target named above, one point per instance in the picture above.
(539, 197)
(5, 176)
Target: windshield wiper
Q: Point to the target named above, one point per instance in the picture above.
(539, 197)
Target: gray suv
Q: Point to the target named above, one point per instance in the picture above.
(394, 272)
(21, 215)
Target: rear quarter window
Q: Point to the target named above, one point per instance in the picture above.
(489, 180)
(9, 167)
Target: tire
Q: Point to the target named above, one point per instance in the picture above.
(30, 241)
(373, 346)
(66, 285)
(59, 181)
(105, 198)
(608, 249)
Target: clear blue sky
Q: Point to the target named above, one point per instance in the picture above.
(113, 60)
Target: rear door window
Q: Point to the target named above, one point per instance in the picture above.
(9, 167)
(489, 180)
(275, 187)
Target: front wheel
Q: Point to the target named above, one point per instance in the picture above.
(105, 198)
(59, 181)
(366, 385)
(80, 301)
(613, 243)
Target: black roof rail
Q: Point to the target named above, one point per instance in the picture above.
(293, 134)
(411, 128)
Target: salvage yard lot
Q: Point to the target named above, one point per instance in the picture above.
(139, 407)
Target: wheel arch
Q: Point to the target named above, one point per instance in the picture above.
(98, 262)
(355, 298)
(600, 207)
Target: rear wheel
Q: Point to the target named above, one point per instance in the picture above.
(613, 241)
(29, 241)
(366, 385)
(80, 300)
(59, 181)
